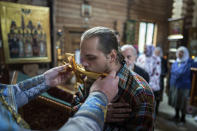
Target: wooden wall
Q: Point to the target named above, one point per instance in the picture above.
(67, 13)
(157, 11)
(106, 12)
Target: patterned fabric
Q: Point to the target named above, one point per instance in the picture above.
(95, 105)
(135, 91)
(15, 116)
(149, 50)
(90, 117)
(14, 96)
(141, 72)
(152, 65)
(82, 94)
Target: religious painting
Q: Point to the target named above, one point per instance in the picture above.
(25, 33)
(86, 10)
(192, 44)
(175, 29)
(130, 31)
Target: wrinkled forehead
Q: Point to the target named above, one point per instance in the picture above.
(128, 53)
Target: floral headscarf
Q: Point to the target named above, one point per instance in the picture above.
(149, 50)
(185, 54)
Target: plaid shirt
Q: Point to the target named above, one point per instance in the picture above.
(135, 91)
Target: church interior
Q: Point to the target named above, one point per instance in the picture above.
(36, 35)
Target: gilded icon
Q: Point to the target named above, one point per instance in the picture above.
(26, 33)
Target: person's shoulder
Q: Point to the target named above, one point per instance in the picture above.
(141, 72)
(190, 60)
(136, 67)
(139, 83)
(141, 56)
(139, 69)
(175, 63)
(141, 90)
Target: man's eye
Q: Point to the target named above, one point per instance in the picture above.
(91, 58)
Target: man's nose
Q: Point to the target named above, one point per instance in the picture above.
(84, 63)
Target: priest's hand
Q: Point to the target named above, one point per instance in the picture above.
(107, 85)
(57, 75)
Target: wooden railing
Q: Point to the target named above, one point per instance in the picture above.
(193, 98)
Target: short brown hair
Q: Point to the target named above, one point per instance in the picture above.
(107, 40)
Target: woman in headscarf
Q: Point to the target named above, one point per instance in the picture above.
(180, 83)
(152, 64)
(164, 69)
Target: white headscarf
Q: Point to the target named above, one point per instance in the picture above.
(185, 54)
(161, 52)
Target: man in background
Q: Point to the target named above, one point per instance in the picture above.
(130, 55)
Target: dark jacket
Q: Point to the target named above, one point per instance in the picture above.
(164, 71)
(141, 72)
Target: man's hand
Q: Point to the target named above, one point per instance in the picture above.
(117, 112)
(107, 85)
(57, 76)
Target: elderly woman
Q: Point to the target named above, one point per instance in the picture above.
(164, 69)
(180, 83)
(152, 65)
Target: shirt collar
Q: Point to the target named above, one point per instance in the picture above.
(123, 75)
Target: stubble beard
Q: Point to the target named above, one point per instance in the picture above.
(107, 68)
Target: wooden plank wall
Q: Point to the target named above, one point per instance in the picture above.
(106, 12)
(157, 11)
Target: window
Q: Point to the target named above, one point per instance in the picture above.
(146, 35)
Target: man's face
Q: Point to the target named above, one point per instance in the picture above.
(129, 56)
(92, 58)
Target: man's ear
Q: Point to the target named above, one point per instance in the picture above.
(113, 56)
